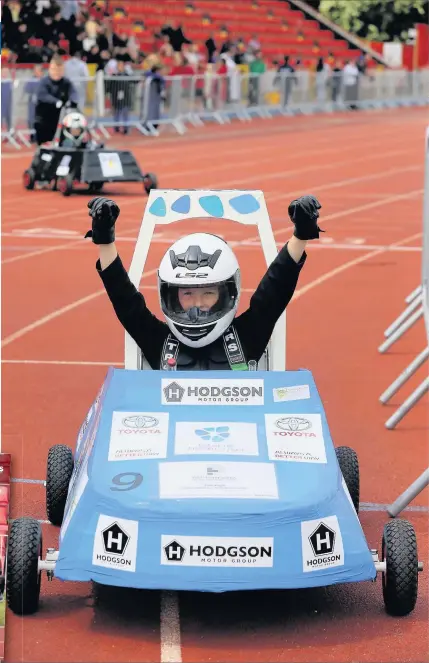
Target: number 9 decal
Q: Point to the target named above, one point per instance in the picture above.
(134, 481)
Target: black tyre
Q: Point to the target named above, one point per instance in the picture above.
(400, 580)
(96, 187)
(150, 182)
(349, 466)
(65, 184)
(29, 179)
(22, 574)
(58, 474)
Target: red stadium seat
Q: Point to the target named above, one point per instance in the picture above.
(275, 22)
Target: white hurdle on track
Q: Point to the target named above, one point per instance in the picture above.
(418, 307)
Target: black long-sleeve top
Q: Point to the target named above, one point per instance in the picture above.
(254, 326)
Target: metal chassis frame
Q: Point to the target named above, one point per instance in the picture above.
(48, 564)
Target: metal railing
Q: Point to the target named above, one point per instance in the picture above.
(417, 309)
(149, 103)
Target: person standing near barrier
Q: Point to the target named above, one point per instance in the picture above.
(53, 93)
(121, 95)
(153, 96)
(288, 78)
(351, 84)
(77, 72)
(30, 89)
(256, 69)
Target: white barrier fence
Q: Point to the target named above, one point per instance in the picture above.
(417, 309)
(148, 103)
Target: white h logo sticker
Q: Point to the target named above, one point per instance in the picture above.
(114, 542)
(326, 541)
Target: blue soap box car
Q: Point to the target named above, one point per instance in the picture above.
(216, 481)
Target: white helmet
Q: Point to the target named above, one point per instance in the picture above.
(203, 261)
(74, 127)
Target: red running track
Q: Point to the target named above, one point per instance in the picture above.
(60, 334)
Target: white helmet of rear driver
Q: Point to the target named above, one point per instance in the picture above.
(204, 262)
(74, 127)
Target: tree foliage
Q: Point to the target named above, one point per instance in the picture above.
(378, 20)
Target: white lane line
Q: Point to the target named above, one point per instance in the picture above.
(58, 362)
(170, 635)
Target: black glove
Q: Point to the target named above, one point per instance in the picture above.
(71, 104)
(104, 213)
(304, 213)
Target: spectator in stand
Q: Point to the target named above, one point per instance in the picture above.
(362, 63)
(91, 29)
(330, 59)
(11, 13)
(164, 48)
(256, 68)
(226, 46)
(107, 40)
(239, 51)
(181, 67)
(77, 37)
(77, 72)
(49, 51)
(93, 56)
(19, 43)
(211, 47)
(47, 30)
(192, 56)
(175, 35)
(42, 5)
(69, 9)
(254, 45)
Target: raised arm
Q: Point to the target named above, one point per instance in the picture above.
(128, 303)
(278, 285)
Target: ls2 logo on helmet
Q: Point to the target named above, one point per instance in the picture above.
(192, 275)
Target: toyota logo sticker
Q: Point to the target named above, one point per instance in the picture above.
(138, 435)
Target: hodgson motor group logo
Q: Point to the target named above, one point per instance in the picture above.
(294, 426)
(201, 392)
(217, 551)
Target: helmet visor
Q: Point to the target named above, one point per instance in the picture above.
(198, 304)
